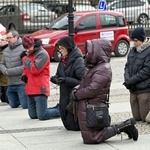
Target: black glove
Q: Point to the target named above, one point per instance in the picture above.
(24, 78)
(23, 54)
(72, 95)
(54, 79)
(132, 88)
(127, 85)
(61, 80)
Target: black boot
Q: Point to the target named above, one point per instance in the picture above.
(129, 128)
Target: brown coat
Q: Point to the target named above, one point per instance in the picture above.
(3, 78)
(94, 85)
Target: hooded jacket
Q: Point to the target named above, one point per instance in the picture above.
(95, 84)
(37, 70)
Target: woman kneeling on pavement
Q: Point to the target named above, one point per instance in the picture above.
(94, 87)
(36, 75)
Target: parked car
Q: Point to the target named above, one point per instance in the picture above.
(25, 17)
(134, 10)
(46, 3)
(87, 25)
(62, 8)
(84, 7)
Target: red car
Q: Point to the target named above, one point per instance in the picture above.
(87, 25)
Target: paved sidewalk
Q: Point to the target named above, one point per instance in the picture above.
(18, 132)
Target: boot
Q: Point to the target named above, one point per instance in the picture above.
(128, 128)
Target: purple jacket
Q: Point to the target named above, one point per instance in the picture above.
(94, 85)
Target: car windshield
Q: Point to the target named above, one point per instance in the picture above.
(33, 7)
(62, 23)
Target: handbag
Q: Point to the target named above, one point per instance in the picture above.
(97, 116)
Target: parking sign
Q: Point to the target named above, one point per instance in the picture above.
(102, 5)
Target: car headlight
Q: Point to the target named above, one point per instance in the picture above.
(45, 41)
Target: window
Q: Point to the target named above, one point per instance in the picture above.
(89, 23)
(108, 21)
(121, 21)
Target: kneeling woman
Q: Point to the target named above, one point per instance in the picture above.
(95, 87)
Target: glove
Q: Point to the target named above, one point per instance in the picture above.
(24, 78)
(127, 85)
(54, 79)
(132, 88)
(72, 95)
(61, 80)
(23, 54)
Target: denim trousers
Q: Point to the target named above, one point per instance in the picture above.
(37, 108)
(16, 96)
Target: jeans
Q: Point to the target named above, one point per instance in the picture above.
(16, 96)
(37, 108)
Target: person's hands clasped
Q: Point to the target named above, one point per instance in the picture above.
(24, 78)
(73, 96)
(23, 54)
(54, 79)
(61, 80)
(127, 85)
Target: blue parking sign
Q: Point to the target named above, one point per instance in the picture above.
(102, 5)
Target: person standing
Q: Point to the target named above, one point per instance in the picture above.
(12, 67)
(95, 87)
(137, 74)
(3, 78)
(69, 73)
(36, 76)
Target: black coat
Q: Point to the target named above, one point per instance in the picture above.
(73, 72)
(137, 69)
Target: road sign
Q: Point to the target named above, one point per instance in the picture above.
(102, 5)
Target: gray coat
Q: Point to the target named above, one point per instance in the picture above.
(11, 62)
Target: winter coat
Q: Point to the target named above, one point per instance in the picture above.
(11, 62)
(95, 85)
(73, 72)
(137, 69)
(37, 70)
(3, 78)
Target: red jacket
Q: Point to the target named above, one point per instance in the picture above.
(37, 70)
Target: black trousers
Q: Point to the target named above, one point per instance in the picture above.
(3, 95)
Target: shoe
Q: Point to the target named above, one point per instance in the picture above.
(57, 106)
(128, 128)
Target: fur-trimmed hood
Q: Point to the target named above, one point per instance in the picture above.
(142, 47)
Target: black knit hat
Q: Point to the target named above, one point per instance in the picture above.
(139, 33)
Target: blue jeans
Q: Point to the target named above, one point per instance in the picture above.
(16, 96)
(37, 108)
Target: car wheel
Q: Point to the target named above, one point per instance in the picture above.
(56, 56)
(143, 19)
(121, 48)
